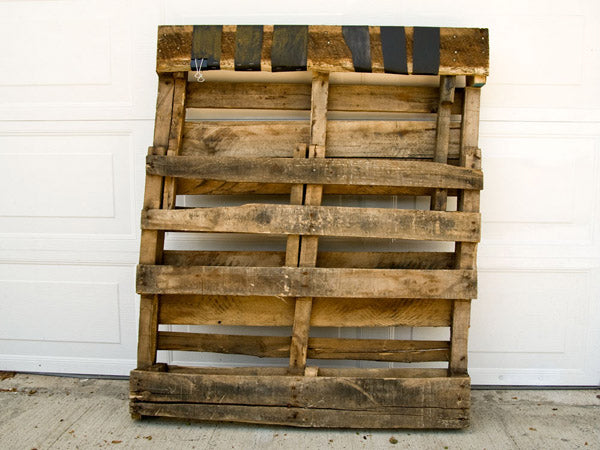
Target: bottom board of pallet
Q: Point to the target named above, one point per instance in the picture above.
(354, 400)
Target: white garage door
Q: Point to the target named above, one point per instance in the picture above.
(77, 90)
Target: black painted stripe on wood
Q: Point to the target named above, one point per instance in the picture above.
(289, 48)
(426, 50)
(206, 46)
(359, 42)
(248, 47)
(393, 47)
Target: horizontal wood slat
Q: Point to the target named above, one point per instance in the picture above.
(345, 138)
(359, 260)
(366, 172)
(326, 312)
(397, 417)
(346, 372)
(306, 282)
(363, 98)
(359, 394)
(318, 348)
(203, 187)
(319, 221)
(458, 51)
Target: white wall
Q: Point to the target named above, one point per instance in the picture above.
(77, 93)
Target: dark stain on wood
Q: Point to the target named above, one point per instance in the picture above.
(358, 40)
(289, 48)
(393, 45)
(426, 50)
(206, 46)
(248, 47)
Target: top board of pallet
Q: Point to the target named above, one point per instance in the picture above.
(283, 48)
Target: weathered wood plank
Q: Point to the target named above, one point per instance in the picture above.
(447, 86)
(292, 249)
(151, 245)
(462, 51)
(346, 372)
(317, 348)
(320, 221)
(376, 50)
(358, 260)
(345, 138)
(355, 171)
(175, 135)
(309, 418)
(342, 97)
(202, 187)
(466, 253)
(355, 394)
(327, 49)
(312, 197)
(306, 282)
(326, 312)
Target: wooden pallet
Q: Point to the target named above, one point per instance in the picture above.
(301, 287)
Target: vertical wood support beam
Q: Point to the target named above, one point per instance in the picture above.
(176, 134)
(309, 244)
(292, 249)
(466, 252)
(152, 241)
(439, 197)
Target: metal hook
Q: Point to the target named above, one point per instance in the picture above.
(198, 75)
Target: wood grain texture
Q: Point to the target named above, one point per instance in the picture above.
(345, 138)
(347, 372)
(317, 348)
(327, 50)
(466, 253)
(175, 135)
(356, 171)
(306, 282)
(151, 244)
(377, 65)
(200, 187)
(304, 401)
(357, 394)
(342, 97)
(326, 312)
(447, 86)
(320, 221)
(364, 260)
(462, 51)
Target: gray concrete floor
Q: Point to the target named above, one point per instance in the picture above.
(45, 412)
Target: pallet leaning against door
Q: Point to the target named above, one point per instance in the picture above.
(425, 145)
